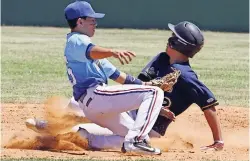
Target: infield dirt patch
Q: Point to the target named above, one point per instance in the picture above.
(181, 142)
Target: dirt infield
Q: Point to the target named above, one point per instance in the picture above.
(181, 142)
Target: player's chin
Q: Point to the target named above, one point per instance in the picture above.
(167, 48)
(91, 33)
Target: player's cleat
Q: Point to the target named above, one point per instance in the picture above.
(216, 146)
(36, 125)
(85, 138)
(83, 133)
(140, 147)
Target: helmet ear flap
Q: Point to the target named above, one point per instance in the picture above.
(172, 42)
(175, 43)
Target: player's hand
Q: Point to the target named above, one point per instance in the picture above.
(167, 113)
(123, 56)
(216, 146)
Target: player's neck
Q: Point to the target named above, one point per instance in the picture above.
(75, 30)
(78, 30)
(177, 58)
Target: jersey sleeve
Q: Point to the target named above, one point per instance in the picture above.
(201, 95)
(149, 72)
(152, 64)
(78, 48)
(107, 67)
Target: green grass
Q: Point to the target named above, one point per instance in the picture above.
(33, 66)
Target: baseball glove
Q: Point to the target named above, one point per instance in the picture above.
(167, 82)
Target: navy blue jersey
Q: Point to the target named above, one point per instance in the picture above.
(188, 89)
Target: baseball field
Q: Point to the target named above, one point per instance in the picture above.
(33, 70)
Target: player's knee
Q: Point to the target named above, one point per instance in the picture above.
(160, 93)
(155, 92)
(155, 88)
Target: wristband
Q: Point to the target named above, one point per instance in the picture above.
(219, 141)
(115, 75)
(132, 80)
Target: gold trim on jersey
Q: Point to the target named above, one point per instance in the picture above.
(213, 104)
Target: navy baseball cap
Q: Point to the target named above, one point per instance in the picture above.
(80, 9)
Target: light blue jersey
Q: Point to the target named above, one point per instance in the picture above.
(83, 72)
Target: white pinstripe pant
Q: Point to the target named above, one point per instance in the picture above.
(104, 105)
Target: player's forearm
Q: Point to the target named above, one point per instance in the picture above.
(122, 79)
(98, 52)
(214, 123)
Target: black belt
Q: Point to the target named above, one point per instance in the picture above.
(85, 93)
(83, 97)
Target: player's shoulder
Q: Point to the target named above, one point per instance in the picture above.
(186, 71)
(163, 56)
(78, 38)
(162, 60)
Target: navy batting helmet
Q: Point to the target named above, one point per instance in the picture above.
(187, 38)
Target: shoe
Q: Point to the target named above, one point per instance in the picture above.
(39, 126)
(83, 133)
(141, 147)
(85, 139)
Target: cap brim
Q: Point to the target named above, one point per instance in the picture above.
(97, 15)
(171, 27)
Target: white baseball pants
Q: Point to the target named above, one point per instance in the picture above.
(104, 106)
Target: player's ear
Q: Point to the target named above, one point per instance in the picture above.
(79, 21)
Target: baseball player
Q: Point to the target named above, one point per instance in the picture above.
(89, 70)
(185, 42)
